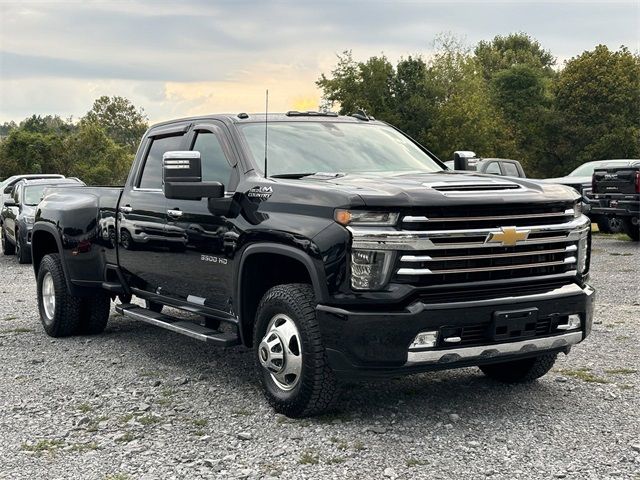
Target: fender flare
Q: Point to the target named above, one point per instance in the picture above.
(317, 277)
(53, 231)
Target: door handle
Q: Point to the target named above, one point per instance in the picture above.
(174, 213)
(126, 209)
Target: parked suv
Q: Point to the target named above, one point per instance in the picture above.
(339, 249)
(6, 186)
(19, 210)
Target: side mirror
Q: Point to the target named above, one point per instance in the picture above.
(182, 174)
(461, 159)
(10, 203)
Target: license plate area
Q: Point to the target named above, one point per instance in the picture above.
(513, 324)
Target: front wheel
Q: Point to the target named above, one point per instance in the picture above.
(630, 229)
(520, 371)
(289, 354)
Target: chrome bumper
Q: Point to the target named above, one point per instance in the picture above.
(484, 352)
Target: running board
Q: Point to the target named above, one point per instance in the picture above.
(184, 327)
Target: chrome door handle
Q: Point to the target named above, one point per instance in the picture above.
(126, 209)
(174, 213)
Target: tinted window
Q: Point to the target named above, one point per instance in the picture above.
(510, 169)
(215, 167)
(493, 168)
(152, 173)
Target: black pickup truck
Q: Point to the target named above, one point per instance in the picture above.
(333, 246)
(616, 194)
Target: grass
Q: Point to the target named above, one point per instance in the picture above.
(415, 462)
(240, 411)
(200, 422)
(308, 458)
(43, 446)
(147, 420)
(358, 445)
(17, 330)
(126, 438)
(85, 407)
(621, 371)
(584, 374)
(117, 476)
(9, 318)
(83, 447)
(150, 373)
(335, 460)
(618, 254)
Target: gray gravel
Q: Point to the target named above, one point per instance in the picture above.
(142, 403)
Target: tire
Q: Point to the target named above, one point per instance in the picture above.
(603, 225)
(8, 248)
(125, 240)
(615, 224)
(311, 388)
(95, 314)
(630, 229)
(520, 371)
(61, 316)
(153, 306)
(23, 253)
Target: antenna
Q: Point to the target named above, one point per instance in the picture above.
(266, 130)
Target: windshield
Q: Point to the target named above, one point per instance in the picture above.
(33, 195)
(586, 169)
(335, 147)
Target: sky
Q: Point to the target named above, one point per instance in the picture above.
(180, 58)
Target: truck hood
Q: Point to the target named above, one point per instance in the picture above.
(440, 188)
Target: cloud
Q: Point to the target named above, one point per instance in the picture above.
(177, 58)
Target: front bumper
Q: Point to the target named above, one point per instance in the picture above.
(377, 343)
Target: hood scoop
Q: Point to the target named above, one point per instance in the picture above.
(475, 187)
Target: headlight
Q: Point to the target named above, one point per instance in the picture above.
(370, 269)
(29, 220)
(584, 247)
(365, 218)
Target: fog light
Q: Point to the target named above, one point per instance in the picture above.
(424, 340)
(573, 323)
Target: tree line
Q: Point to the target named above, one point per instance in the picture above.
(99, 148)
(502, 98)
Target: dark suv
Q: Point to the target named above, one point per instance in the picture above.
(18, 213)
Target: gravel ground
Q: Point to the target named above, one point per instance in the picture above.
(142, 403)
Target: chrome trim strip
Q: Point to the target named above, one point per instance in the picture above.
(426, 271)
(415, 219)
(427, 258)
(392, 239)
(491, 351)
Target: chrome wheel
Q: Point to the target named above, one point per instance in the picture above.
(280, 352)
(48, 297)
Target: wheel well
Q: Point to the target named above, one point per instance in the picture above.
(260, 272)
(42, 243)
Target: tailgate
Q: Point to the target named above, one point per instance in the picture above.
(616, 180)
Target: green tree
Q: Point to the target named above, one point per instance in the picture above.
(597, 99)
(24, 151)
(94, 157)
(121, 120)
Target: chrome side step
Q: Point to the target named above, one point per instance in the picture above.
(184, 327)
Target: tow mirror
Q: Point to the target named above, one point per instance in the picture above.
(182, 175)
(461, 159)
(10, 203)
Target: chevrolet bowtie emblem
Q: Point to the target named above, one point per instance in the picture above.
(507, 236)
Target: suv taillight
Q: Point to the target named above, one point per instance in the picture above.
(638, 182)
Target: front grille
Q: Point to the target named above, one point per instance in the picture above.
(479, 333)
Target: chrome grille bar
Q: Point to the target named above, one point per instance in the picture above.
(420, 219)
(426, 271)
(428, 258)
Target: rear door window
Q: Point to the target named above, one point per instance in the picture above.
(493, 168)
(151, 177)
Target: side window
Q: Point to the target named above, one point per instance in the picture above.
(152, 173)
(510, 169)
(493, 168)
(215, 166)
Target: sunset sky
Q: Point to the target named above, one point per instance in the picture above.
(183, 58)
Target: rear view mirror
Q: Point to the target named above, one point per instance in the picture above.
(10, 203)
(461, 159)
(182, 174)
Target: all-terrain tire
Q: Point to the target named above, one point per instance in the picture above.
(316, 390)
(8, 248)
(67, 309)
(630, 229)
(520, 371)
(95, 314)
